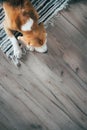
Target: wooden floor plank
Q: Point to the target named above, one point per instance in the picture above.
(72, 44)
(77, 16)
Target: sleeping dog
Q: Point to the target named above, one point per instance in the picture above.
(21, 16)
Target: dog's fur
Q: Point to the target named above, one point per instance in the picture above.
(21, 16)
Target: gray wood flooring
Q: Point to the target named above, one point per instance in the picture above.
(49, 91)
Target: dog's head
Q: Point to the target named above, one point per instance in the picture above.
(36, 39)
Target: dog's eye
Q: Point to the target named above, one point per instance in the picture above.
(40, 42)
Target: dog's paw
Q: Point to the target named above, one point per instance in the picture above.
(18, 53)
(30, 48)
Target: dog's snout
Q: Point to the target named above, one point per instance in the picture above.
(43, 48)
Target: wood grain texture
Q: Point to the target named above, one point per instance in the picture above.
(71, 39)
(47, 92)
(77, 16)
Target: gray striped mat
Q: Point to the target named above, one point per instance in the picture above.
(46, 10)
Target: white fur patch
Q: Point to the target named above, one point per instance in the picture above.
(27, 26)
(17, 50)
(41, 49)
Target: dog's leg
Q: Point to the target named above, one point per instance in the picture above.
(16, 48)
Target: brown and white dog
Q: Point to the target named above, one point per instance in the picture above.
(21, 16)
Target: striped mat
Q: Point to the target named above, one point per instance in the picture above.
(46, 9)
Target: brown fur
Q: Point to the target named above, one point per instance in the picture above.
(16, 16)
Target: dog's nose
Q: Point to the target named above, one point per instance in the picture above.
(46, 51)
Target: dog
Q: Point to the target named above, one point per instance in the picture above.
(21, 16)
